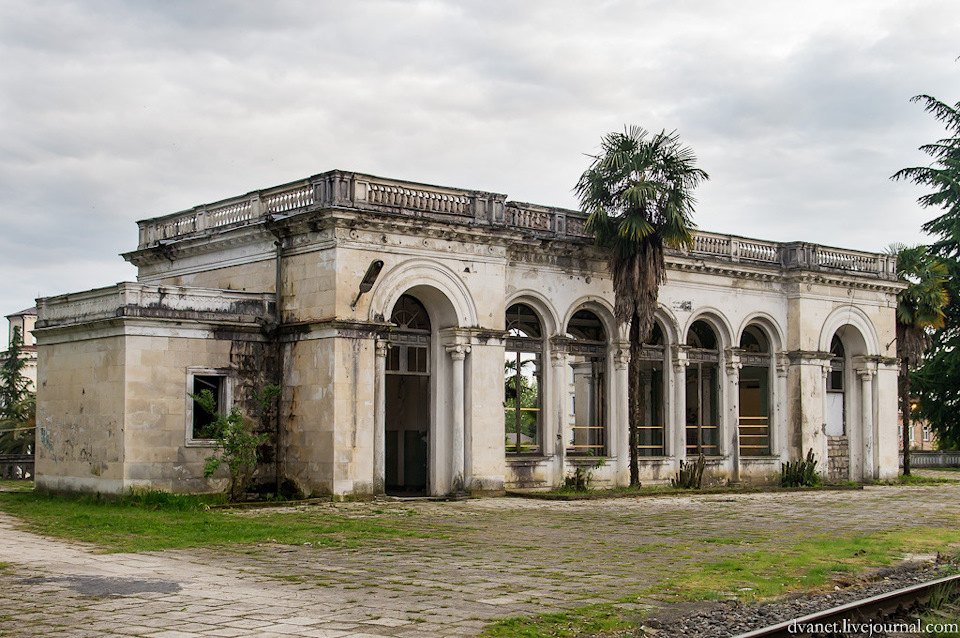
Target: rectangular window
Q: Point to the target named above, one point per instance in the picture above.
(835, 377)
(521, 402)
(702, 409)
(650, 435)
(199, 382)
(586, 433)
(754, 411)
(926, 433)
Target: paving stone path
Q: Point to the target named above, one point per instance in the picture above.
(480, 560)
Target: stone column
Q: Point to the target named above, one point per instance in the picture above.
(866, 413)
(618, 428)
(561, 392)
(379, 426)
(824, 450)
(458, 353)
(779, 435)
(680, 363)
(734, 365)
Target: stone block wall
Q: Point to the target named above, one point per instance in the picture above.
(838, 459)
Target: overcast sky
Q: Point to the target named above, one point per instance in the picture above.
(115, 111)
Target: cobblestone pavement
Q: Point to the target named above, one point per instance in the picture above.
(483, 559)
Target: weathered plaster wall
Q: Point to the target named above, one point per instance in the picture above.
(80, 415)
(307, 414)
(254, 277)
(157, 453)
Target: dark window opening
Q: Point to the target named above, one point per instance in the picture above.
(203, 420)
(586, 434)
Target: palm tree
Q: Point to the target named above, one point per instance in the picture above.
(919, 308)
(638, 194)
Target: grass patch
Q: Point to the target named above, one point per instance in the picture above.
(7, 485)
(157, 521)
(811, 563)
(920, 480)
(566, 493)
(941, 619)
(591, 619)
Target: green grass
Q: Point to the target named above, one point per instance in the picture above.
(154, 521)
(591, 619)
(942, 613)
(7, 485)
(808, 564)
(921, 480)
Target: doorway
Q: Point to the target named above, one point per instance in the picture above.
(407, 389)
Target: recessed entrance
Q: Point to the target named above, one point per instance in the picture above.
(407, 389)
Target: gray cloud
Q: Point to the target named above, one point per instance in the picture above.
(112, 111)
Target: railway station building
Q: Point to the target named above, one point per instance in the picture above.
(432, 340)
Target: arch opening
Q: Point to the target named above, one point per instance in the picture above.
(407, 399)
(755, 392)
(586, 431)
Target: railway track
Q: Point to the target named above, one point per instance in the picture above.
(873, 609)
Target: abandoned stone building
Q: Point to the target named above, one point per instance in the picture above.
(431, 339)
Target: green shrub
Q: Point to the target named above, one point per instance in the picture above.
(690, 476)
(237, 444)
(800, 473)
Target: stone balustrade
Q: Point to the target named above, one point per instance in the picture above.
(140, 300)
(339, 189)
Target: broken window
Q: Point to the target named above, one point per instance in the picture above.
(522, 381)
(586, 430)
(201, 381)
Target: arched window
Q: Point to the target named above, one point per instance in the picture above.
(586, 431)
(702, 390)
(410, 340)
(754, 393)
(522, 381)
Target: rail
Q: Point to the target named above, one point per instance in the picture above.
(16, 467)
(136, 299)
(942, 458)
(339, 189)
(873, 608)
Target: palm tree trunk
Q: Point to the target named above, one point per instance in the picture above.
(635, 399)
(905, 412)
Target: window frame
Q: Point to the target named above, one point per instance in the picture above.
(225, 400)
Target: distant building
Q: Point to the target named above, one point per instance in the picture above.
(25, 320)
(430, 340)
(922, 436)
